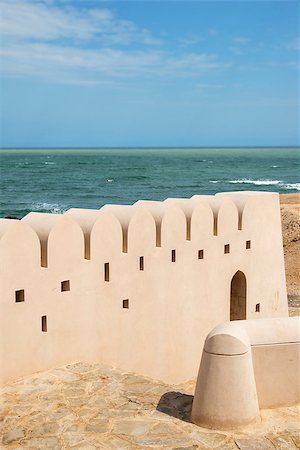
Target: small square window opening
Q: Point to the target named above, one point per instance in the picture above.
(200, 254)
(257, 307)
(227, 248)
(65, 286)
(20, 296)
(248, 244)
(126, 303)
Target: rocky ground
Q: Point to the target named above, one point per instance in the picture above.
(89, 406)
(290, 216)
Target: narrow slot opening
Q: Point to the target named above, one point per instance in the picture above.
(65, 286)
(188, 229)
(215, 225)
(257, 307)
(126, 303)
(44, 254)
(44, 323)
(125, 241)
(227, 248)
(141, 263)
(248, 244)
(106, 271)
(20, 296)
(87, 247)
(240, 221)
(200, 254)
(173, 255)
(158, 235)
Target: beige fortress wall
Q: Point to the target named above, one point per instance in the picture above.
(172, 305)
(24, 348)
(20, 331)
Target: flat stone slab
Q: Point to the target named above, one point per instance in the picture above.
(254, 444)
(91, 406)
(13, 436)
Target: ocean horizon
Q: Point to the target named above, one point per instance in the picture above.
(56, 179)
(153, 147)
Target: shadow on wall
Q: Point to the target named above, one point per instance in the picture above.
(177, 405)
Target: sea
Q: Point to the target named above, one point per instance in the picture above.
(54, 180)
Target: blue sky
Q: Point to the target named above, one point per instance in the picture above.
(155, 73)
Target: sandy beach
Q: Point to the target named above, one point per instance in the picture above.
(290, 216)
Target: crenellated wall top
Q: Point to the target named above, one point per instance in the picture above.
(148, 223)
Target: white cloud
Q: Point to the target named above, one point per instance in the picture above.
(241, 40)
(213, 32)
(36, 20)
(209, 86)
(189, 40)
(294, 44)
(85, 46)
(239, 45)
(90, 65)
(266, 65)
(284, 64)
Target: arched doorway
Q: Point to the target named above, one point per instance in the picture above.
(238, 297)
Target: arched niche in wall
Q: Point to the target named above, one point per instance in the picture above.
(85, 219)
(20, 252)
(202, 223)
(42, 224)
(106, 237)
(123, 214)
(173, 227)
(187, 205)
(157, 210)
(238, 296)
(65, 245)
(228, 218)
(141, 232)
(261, 211)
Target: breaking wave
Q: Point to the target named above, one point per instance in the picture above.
(292, 186)
(48, 207)
(256, 182)
(280, 184)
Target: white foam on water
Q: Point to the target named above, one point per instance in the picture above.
(49, 163)
(256, 182)
(50, 207)
(291, 186)
(110, 180)
(279, 183)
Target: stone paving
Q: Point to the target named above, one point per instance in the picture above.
(90, 406)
